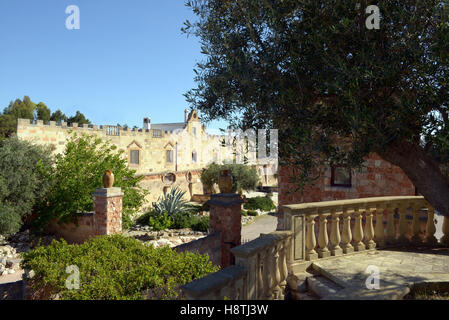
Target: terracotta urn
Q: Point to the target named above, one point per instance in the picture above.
(108, 179)
(225, 182)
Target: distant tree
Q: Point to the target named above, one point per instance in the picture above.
(17, 109)
(58, 116)
(42, 112)
(21, 109)
(78, 118)
(8, 125)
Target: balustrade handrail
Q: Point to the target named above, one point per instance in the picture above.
(245, 280)
(211, 285)
(306, 208)
(255, 246)
(346, 226)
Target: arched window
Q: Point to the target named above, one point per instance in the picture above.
(194, 157)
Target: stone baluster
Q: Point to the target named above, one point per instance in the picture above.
(445, 239)
(310, 238)
(232, 291)
(323, 239)
(380, 232)
(335, 234)
(347, 235)
(416, 228)
(283, 264)
(267, 275)
(430, 227)
(369, 229)
(403, 226)
(358, 231)
(391, 230)
(275, 273)
(260, 277)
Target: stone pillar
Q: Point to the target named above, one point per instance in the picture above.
(226, 218)
(107, 211)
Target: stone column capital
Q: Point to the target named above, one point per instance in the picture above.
(108, 192)
(225, 199)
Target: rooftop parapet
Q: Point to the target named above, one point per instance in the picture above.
(107, 129)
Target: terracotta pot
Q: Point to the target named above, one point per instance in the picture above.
(108, 179)
(225, 182)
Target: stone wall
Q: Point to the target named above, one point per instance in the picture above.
(72, 232)
(210, 245)
(378, 178)
(105, 220)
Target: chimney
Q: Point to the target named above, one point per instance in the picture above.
(186, 115)
(147, 123)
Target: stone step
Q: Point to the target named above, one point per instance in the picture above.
(329, 275)
(322, 287)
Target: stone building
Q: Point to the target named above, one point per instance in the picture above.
(166, 154)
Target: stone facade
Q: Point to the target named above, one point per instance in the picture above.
(379, 178)
(170, 154)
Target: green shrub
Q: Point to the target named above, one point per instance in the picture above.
(24, 171)
(143, 219)
(244, 213)
(114, 267)
(252, 213)
(79, 171)
(183, 220)
(160, 221)
(180, 220)
(10, 221)
(202, 224)
(261, 203)
(244, 177)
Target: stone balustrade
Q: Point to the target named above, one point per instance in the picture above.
(348, 226)
(260, 272)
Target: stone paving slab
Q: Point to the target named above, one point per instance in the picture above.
(398, 271)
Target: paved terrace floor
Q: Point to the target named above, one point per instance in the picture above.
(399, 269)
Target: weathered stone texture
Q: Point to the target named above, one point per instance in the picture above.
(379, 178)
(210, 245)
(225, 217)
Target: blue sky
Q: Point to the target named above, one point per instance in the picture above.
(128, 60)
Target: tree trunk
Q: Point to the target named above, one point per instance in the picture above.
(423, 171)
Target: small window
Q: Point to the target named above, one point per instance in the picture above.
(194, 131)
(134, 156)
(169, 156)
(194, 157)
(341, 177)
(157, 133)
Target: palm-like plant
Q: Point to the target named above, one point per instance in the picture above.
(172, 203)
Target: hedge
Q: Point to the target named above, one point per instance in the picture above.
(114, 268)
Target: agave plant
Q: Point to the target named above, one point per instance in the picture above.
(172, 203)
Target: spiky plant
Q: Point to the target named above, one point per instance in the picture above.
(172, 202)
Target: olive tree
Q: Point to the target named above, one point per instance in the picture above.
(336, 88)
